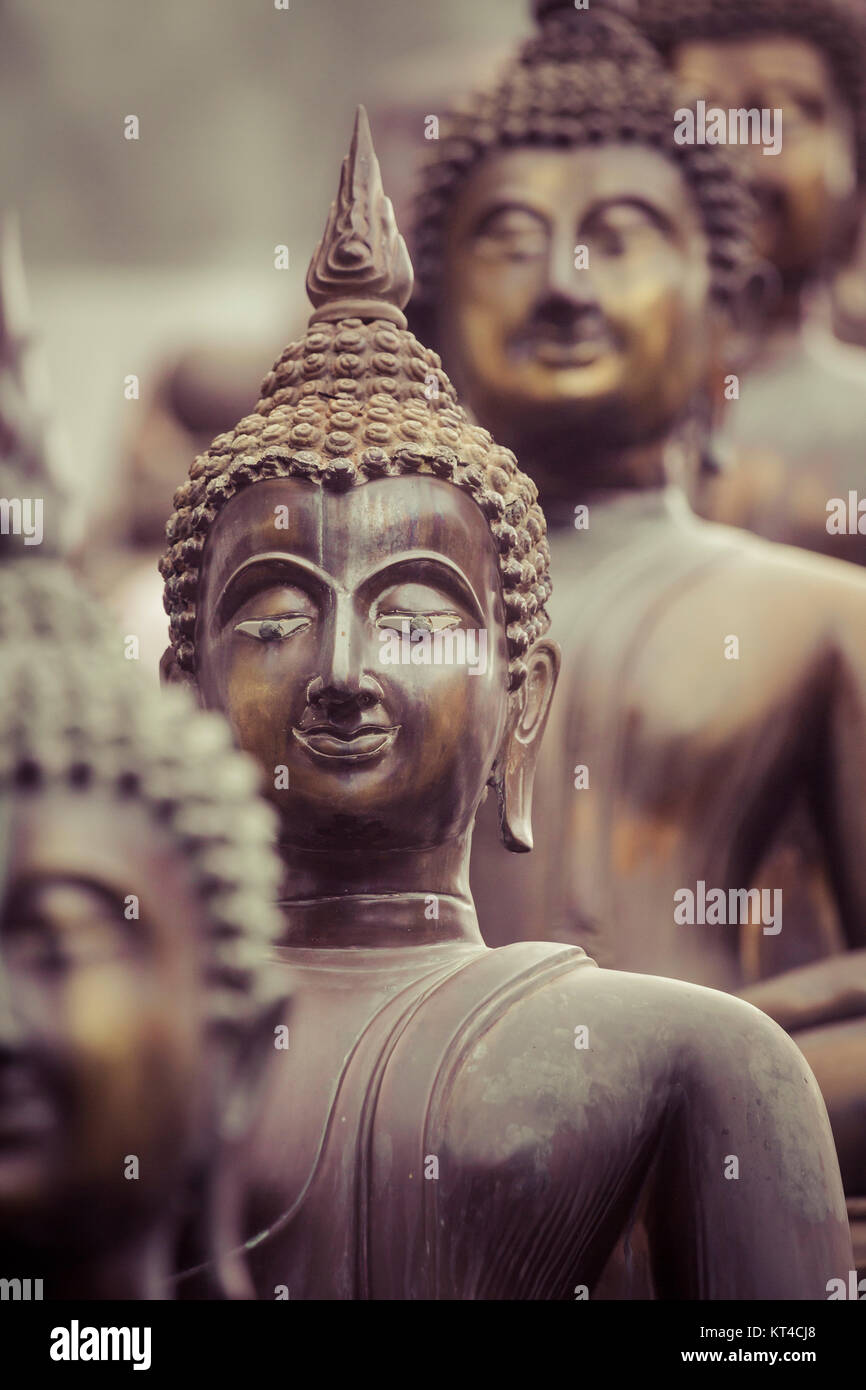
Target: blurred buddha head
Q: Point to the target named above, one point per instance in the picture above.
(358, 577)
(574, 261)
(136, 889)
(805, 59)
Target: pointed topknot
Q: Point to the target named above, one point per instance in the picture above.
(361, 267)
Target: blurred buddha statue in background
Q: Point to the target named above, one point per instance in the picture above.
(792, 74)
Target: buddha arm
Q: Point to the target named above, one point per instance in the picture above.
(839, 777)
(836, 1055)
(746, 1200)
(610, 1088)
(824, 992)
(834, 988)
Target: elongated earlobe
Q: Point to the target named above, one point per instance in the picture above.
(515, 770)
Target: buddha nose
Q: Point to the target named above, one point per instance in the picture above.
(342, 679)
(570, 282)
(335, 691)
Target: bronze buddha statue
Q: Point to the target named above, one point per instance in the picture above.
(708, 734)
(791, 438)
(137, 878)
(456, 1121)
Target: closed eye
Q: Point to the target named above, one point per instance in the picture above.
(273, 629)
(55, 924)
(513, 232)
(418, 622)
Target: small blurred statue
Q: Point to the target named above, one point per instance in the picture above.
(136, 909)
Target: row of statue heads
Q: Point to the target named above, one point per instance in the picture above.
(279, 1017)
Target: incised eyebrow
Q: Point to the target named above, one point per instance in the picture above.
(444, 570)
(303, 574)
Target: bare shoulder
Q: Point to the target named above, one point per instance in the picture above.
(787, 570)
(734, 1043)
(623, 1006)
(595, 1036)
(793, 611)
(600, 1082)
(608, 1051)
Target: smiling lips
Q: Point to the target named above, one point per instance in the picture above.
(354, 746)
(577, 346)
(574, 354)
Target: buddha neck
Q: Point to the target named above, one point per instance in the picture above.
(779, 330)
(568, 472)
(788, 311)
(783, 311)
(375, 920)
(382, 898)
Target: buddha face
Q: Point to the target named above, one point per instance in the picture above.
(102, 1042)
(576, 294)
(804, 191)
(305, 596)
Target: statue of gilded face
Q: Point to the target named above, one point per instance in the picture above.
(102, 1036)
(804, 193)
(575, 294)
(317, 636)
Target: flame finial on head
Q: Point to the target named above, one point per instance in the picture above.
(361, 267)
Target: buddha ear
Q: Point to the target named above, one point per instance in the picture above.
(170, 673)
(514, 773)
(754, 291)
